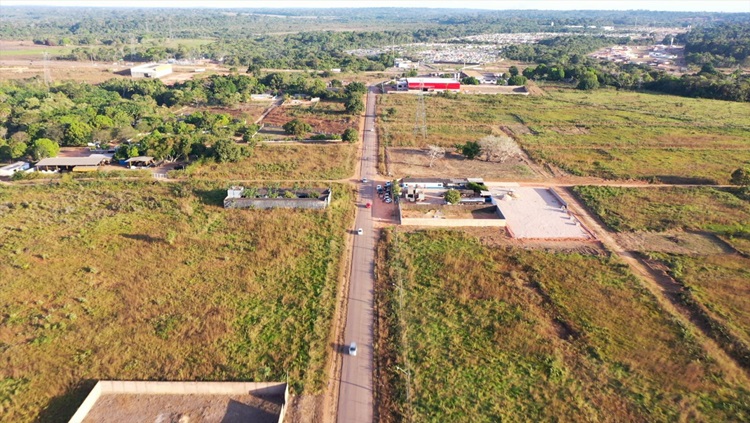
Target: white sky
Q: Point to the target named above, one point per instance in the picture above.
(670, 5)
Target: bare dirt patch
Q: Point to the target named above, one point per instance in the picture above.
(448, 212)
(325, 123)
(407, 161)
(192, 408)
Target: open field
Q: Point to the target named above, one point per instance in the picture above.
(284, 162)
(156, 281)
(505, 334)
(325, 116)
(606, 133)
(413, 162)
(721, 283)
(660, 209)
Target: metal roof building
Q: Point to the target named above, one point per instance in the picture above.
(69, 163)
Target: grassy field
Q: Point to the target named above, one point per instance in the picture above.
(156, 281)
(720, 283)
(285, 162)
(604, 133)
(660, 209)
(502, 334)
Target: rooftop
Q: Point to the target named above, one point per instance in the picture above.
(71, 161)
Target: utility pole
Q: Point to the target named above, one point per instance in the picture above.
(420, 116)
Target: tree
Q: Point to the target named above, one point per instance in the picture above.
(471, 149)
(228, 151)
(500, 147)
(77, 133)
(470, 80)
(452, 196)
(588, 81)
(350, 135)
(395, 188)
(513, 70)
(43, 148)
(517, 80)
(354, 104)
(297, 128)
(741, 177)
(435, 152)
(356, 88)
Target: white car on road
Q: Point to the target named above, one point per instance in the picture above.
(353, 349)
(360, 231)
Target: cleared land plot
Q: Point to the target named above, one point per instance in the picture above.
(603, 133)
(720, 211)
(175, 408)
(325, 116)
(448, 212)
(156, 281)
(284, 162)
(413, 162)
(506, 334)
(536, 213)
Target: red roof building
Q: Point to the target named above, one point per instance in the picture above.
(433, 84)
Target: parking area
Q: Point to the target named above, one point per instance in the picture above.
(537, 213)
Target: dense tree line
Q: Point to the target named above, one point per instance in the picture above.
(724, 45)
(140, 114)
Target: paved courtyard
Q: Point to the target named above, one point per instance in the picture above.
(537, 213)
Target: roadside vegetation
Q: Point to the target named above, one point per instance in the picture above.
(473, 333)
(156, 281)
(606, 133)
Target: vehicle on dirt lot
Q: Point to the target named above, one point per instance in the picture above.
(353, 349)
(368, 205)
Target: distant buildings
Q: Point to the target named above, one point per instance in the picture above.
(151, 70)
(428, 84)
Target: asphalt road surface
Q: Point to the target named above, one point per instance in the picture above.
(356, 394)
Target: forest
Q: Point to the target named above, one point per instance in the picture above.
(140, 115)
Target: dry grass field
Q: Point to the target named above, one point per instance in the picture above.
(605, 133)
(413, 162)
(716, 280)
(507, 334)
(156, 281)
(284, 162)
(325, 116)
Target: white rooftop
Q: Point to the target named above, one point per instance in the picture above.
(430, 80)
(71, 161)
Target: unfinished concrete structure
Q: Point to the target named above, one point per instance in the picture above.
(275, 198)
(146, 401)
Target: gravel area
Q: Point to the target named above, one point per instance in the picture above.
(537, 213)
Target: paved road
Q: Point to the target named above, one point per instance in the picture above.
(356, 393)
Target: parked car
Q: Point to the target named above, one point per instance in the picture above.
(179, 167)
(388, 200)
(368, 205)
(387, 183)
(364, 180)
(353, 349)
(379, 188)
(360, 231)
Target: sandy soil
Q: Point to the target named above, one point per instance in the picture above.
(185, 409)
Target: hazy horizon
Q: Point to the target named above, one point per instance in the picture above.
(725, 6)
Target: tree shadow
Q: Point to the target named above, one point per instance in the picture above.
(211, 197)
(143, 237)
(62, 407)
(239, 412)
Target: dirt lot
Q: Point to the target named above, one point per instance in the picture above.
(330, 123)
(407, 161)
(185, 408)
(448, 212)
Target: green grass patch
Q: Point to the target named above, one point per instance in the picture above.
(156, 281)
(605, 133)
(504, 334)
(659, 209)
